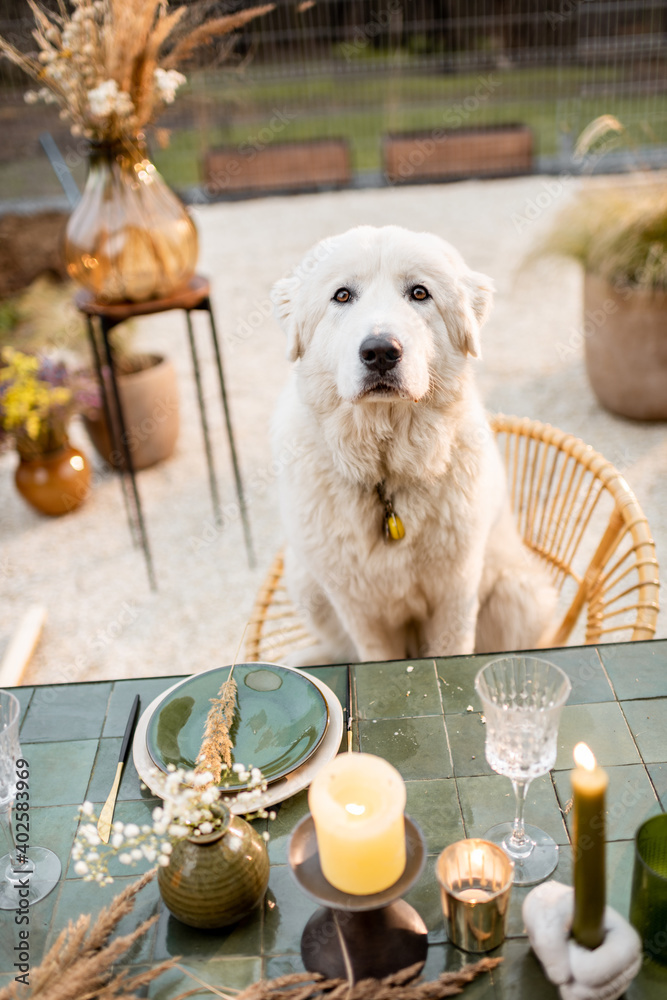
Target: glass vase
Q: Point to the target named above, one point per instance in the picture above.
(130, 238)
(216, 879)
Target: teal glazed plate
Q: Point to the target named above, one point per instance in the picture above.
(280, 720)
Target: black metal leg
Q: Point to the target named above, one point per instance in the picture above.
(204, 422)
(230, 434)
(126, 454)
(110, 423)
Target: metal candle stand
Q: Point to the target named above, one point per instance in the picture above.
(194, 297)
(356, 937)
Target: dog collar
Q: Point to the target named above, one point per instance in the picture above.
(393, 526)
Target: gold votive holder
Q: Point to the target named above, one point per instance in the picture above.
(475, 879)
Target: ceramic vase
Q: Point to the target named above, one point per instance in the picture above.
(55, 482)
(130, 238)
(216, 879)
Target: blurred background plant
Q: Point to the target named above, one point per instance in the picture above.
(615, 230)
(110, 65)
(38, 396)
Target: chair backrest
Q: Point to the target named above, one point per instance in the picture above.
(575, 512)
(579, 516)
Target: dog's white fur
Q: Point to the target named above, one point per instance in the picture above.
(461, 579)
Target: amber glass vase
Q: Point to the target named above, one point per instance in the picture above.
(130, 238)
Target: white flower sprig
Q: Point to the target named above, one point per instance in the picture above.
(191, 808)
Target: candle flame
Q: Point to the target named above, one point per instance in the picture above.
(584, 757)
(477, 857)
(356, 810)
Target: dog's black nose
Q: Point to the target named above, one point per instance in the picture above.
(380, 353)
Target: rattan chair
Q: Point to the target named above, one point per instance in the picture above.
(577, 514)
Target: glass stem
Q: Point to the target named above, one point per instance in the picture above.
(519, 838)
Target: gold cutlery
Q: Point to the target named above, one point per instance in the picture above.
(104, 822)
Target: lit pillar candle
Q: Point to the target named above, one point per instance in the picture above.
(357, 802)
(589, 784)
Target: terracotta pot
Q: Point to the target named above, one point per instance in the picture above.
(215, 880)
(150, 408)
(625, 336)
(56, 482)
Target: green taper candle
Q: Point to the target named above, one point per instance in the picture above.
(589, 784)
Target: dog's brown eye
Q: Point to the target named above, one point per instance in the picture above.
(343, 295)
(419, 293)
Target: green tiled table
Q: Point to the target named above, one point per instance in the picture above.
(421, 715)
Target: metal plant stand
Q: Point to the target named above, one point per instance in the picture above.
(101, 318)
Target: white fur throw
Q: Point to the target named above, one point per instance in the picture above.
(603, 973)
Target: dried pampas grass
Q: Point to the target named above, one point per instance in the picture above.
(79, 965)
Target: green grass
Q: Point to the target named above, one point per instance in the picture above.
(231, 109)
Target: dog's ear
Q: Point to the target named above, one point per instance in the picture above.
(282, 296)
(473, 311)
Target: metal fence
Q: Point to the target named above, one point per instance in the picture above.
(335, 78)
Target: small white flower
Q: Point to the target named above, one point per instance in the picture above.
(131, 831)
(167, 83)
(118, 826)
(125, 859)
(136, 854)
(266, 835)
(202, 779)
(206, 827)
(81, 868)
(163, 860)
(31, 97)
(87, 808)
(166, 847)
(150, 853)
(158, 813)
(117, 840)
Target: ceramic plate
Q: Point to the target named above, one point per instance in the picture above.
(280, 721)
(277, 792)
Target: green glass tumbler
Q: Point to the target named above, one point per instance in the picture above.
(648, 900)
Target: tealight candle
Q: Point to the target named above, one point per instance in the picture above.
(589, 784)
(475, 879)
(357, 802)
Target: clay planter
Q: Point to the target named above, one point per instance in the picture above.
(150, 408)
(215, 880)
(56, 482)
(625, 337)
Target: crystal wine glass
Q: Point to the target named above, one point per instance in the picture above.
(522, 697)
(27, 874)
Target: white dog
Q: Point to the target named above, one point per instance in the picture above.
(391, 439)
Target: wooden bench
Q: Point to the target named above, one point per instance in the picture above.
(284, 166)
(445, 154)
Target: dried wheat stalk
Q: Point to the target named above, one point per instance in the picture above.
(79, 965)
(217, 746)
(402, 985)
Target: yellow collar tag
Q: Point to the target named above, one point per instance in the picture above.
(393, 526)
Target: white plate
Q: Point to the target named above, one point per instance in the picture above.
(279, 790)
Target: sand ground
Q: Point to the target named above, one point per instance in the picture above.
(103, 621)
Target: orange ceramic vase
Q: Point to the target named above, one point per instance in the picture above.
(56, 482)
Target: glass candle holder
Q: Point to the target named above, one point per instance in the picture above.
(357, 802)
(648, 900)
(475, 879)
